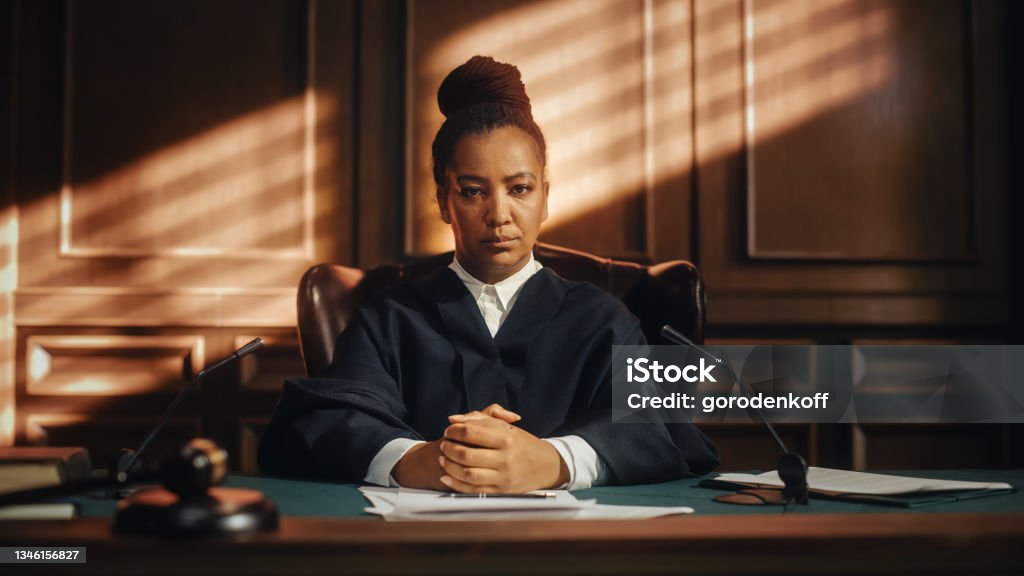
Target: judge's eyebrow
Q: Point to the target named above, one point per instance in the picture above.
(518, 175)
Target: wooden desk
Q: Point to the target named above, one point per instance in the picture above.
(324, 530)
(756, 544)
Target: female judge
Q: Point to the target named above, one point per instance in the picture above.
(494, 375)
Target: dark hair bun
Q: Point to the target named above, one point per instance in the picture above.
(482, 80)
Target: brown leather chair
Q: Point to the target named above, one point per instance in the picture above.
(667, 293)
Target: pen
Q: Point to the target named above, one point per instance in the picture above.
(537, 495)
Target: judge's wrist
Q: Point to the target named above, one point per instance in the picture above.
(562, 477)
(419, 467)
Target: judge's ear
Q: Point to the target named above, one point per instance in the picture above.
(544, 214)
(442, 204)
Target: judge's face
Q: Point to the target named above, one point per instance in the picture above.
(495, 198)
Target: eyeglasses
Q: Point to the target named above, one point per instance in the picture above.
(762, 497)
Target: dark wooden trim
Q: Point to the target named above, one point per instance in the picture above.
(749, 544)
(925, 311)
(380, 144)
(335, 50)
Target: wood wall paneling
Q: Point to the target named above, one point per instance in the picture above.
(258, 380)
(924, 446)
(206, 157)
(280, 358)
(746, 447)
(796, 231)
(887, 85)
(119, 378)
(170, 174)
(249, 433)
(335, 69)
(10, 24)
(194, 159)
(110, 365)
(163, 145)
(380, 135)
(105, 437)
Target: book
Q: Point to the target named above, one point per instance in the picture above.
(44, 511)
(23, 467)
(885, 489)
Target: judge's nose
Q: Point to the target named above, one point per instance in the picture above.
(499, 211)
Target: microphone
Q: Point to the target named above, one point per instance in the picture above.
(121, 471)
(792, 468)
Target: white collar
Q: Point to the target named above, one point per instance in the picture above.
(506, 289)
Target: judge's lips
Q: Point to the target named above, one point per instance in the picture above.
(501, 241)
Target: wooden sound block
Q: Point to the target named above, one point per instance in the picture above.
(221, 511)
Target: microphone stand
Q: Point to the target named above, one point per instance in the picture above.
(792, 468)
(121, 472)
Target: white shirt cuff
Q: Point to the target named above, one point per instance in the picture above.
(379, 472)
(585, 467)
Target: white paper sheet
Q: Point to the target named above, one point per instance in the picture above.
(402, 504)
(849, 482)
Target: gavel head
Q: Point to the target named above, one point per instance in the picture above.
(190, 470)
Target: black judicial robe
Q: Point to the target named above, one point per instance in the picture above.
(421, 351)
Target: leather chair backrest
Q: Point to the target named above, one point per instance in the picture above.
(667, 293)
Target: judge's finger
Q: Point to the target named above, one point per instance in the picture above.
(466, 488)
(472, 456)
(502, 413)
(474, 415)
(478, 433)
(493, 411)
(469, 475)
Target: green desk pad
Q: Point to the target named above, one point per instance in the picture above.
(323, 499)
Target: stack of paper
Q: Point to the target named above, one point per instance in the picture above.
(408, 504)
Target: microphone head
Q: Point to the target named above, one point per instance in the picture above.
(118, 470)
(671, 334)
(793, 473)
(250, 347)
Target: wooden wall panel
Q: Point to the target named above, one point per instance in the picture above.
(168, 158)
(9, 28)
(746, 447)
(104, 438)
(188, 161)
(178, 166)
(254, 394)
(249, 433)
(280, 358)
(380, 163)
(887, 86)
(153, 167)
(113, 365)
(910, 446)
(845, 278)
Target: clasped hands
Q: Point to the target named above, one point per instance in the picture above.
(483, 452)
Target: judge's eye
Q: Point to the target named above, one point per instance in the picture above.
(521, 189)
(470, 192)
